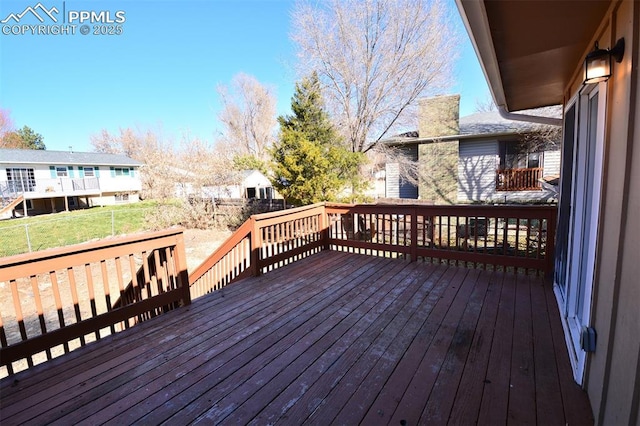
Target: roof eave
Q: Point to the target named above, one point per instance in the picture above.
(474, 17)
(482, 136)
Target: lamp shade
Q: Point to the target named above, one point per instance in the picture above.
(597, 66)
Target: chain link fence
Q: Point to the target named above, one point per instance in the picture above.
(34, 234)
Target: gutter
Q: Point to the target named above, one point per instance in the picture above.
(549, 121)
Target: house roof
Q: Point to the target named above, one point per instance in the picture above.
(483, 125)
(529, 50)
(492, 123)
(36, 156)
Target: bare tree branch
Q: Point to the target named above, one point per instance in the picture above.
(375, 58)
(248, 116)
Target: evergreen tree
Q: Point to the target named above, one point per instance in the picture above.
(24, 138)
(32, 140)
(310, 162)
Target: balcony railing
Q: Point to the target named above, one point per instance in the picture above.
(519, 179)
(52, 186)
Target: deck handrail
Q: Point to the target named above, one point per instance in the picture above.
(263, 242)
(52, 280)
(504, 236)
(519, 237)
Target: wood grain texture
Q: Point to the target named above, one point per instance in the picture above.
(335, 338)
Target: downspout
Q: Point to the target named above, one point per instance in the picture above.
(549, 121)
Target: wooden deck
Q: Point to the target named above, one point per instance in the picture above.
(335, 338)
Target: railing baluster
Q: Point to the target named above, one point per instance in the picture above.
(39, 309)
(107, 290)
(74, 297)
(92, 295)
(58, 300)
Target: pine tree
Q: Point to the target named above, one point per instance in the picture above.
(310, 162)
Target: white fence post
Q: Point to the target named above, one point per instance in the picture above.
(26, 230)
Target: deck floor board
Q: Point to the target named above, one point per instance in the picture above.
(336, 338)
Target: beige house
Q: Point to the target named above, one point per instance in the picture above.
(534, 54)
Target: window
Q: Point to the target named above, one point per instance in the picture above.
(61, 171)
(88, 172)
(21, 179)
(119, 171)
(514, 156)
(121, 198)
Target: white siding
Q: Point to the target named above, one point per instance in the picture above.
(47, 181)
(392, 180)
(477, 164)
(551, 163)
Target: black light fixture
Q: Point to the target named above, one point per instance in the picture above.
(597, 64)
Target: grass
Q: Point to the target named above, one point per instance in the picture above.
(61, 229)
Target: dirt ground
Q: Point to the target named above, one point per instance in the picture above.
(199, 244)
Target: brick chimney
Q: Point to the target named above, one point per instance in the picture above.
(439, 116)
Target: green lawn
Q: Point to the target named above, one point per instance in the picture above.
(61, 229)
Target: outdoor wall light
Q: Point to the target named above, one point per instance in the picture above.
(597, 64)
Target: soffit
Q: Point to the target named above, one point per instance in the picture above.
(530, 49)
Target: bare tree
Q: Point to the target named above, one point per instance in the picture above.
(149, 148)
(409, 170)
(207, 168)
(486, 104)
(248, 116)
(6, 124)
(375, 58)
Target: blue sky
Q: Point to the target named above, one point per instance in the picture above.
(162, 71)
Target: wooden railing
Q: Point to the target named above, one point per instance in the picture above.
(264, 242)
(517, 237)
(518, 179)
(56, 300)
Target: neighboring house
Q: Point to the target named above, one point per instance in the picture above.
(477, 158)
(253, 184)
(535, 54)
(40, 181)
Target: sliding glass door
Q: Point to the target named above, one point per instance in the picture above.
(578, 216)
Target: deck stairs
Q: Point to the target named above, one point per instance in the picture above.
(9, 201)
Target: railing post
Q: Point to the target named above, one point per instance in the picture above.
(181, 266)
(414, 234)
(255, 244)
(324, 227)
(550, 248)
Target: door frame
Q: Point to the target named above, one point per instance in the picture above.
(583, 224)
